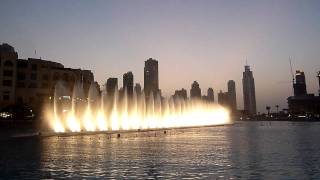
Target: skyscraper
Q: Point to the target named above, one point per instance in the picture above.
(232, 95)
(182, 94)
(249, 94)
(128, 83)
(111, 86)
(195, 91)
(137, 89)
(210, 95)
(223, 99)
(151, 77)
(299, 87)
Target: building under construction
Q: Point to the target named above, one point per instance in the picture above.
(302, 103)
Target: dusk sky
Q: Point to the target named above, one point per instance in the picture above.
(208, 41)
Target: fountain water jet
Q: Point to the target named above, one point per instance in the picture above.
(114, 111)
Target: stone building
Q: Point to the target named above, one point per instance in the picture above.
(32, 81)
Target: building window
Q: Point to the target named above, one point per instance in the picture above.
(33, 76)
(65, 77)
(33, 85)
(22, 64)
(34, 67)
(44, 85)
(6, 97)
(8, 63)
(45, 77)
(21, 76)
(7, 73)
(56, 76)
(7, 83)
(20, 85)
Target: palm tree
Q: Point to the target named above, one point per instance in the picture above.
(277, 106)
(268, 109)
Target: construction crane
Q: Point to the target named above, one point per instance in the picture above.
(292, 74)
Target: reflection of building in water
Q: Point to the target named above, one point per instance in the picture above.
(31, 81)
(302, 102)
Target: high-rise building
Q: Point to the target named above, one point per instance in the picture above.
(137, 89)
(232, 95)
(210, 95)
(249, 94)
(128, 83)
(182, 94)
(195, 91)
(303, 103)
(299, 87)
(223, 99)
(112, 86)
(151, 77)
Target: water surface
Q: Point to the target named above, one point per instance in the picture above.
(248, 150)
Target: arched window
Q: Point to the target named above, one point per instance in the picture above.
(8, 63)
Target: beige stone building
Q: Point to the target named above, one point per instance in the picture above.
(32, 81)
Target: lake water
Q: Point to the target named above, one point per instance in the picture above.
(248, 150)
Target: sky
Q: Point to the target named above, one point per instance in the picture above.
(204, 40)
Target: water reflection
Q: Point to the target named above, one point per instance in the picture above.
(246, 150)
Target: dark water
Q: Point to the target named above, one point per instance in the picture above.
(254, 150)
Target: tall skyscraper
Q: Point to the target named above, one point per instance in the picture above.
(299, 87)
(249, 94)
(128, 83)
(210, 95)
(151, 77)
(195, 91)
(223, 99)
(111, 86)
(182, 94)
(137, 89)
(232, 95)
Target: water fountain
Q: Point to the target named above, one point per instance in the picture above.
(73, 111)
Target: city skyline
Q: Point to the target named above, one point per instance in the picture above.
(211, 59)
